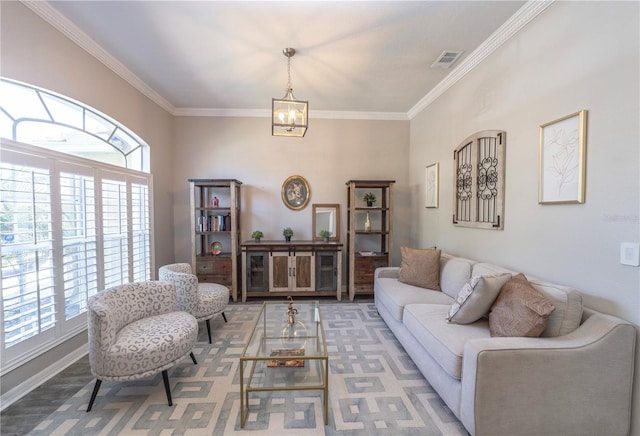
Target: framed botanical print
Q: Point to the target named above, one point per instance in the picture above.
(562, 146)
(295, 192)
(431, 185)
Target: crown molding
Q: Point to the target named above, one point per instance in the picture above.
(517, 21)
(266, 113)
(351, 115)
(75, 34)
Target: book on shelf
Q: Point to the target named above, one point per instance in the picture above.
(288, 358)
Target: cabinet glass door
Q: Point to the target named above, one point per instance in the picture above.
(257, 272)
(326, 271)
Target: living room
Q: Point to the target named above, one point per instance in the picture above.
(572, 56)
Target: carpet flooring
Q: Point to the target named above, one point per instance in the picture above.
(374, 389)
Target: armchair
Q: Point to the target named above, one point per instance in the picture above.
(205, 301)
(135, 330)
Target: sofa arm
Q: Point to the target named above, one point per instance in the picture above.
(576, 384)
(387, 272)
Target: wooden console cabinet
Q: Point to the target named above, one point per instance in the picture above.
(279, 268)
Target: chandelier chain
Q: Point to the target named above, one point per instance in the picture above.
(289, 72)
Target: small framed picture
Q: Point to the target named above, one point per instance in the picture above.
(295, 192)
(431, 185)
(563, 159)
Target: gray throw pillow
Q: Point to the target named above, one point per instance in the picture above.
(475, 298)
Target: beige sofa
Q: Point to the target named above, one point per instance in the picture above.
(576, 379)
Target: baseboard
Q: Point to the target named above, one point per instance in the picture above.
(31, 383)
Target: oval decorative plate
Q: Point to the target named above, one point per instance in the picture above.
(215, 248)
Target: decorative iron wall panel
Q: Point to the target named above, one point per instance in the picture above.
(464, 183)
(479, 164)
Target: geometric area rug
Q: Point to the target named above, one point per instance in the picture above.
(374, 389)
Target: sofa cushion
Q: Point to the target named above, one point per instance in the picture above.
(567, 315)
(485, 269)
(475, 298)
(454, 273)
(444, 342)
(519, 310)
(420, 268)
(395, 295)
(568, 302)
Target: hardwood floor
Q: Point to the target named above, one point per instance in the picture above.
(25, 414)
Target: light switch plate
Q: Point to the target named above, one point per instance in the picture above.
(630, 253)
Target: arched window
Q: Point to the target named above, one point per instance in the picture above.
(75, 216)
(39, 117)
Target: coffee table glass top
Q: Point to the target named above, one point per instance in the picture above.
(278, 332)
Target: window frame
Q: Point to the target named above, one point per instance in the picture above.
(56, 163)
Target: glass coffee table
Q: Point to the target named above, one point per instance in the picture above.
(287, 350)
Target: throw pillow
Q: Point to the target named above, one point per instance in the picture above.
(475, 298)
(420, 268)
(519, 310)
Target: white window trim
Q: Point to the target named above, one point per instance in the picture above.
(15, 152)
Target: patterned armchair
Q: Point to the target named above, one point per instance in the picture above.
(205, 301)
(136, 330)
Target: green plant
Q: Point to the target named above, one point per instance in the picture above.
(369, 197)
(257, 234)
(325, 233)
(287, 232)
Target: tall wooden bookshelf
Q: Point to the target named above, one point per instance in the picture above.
(215, 231)
(368, 248)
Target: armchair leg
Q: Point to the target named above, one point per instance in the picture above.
(224, 316)
(94, 394)
(193, 358)
(167, 388)
(209, 329)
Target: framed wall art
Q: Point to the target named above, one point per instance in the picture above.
(562, 157)
(431, 185)
(295, 192)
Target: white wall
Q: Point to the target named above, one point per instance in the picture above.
(331, 153)
(575, 55)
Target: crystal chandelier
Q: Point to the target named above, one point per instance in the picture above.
(289, 116)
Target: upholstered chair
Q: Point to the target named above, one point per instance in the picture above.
(205, 301)
(136, 330)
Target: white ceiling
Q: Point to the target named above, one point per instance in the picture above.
(366, 57)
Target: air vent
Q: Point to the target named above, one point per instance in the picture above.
(446, 59)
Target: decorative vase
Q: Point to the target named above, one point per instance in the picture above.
(369, 203)
(294, 332)
(256, 239)
(325, 239)
(287, 238)
(367, 224)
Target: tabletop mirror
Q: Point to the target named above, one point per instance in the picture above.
(326, 217)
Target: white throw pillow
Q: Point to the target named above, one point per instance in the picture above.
(475, 298)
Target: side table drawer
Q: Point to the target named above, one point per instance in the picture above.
(365, 268)
(204, 267)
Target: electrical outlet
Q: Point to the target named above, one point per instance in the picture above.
(630, 253)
